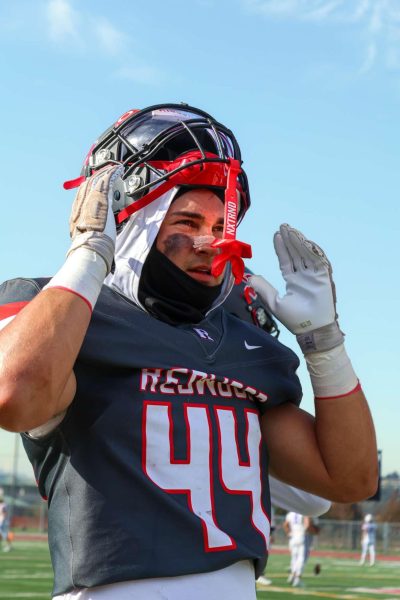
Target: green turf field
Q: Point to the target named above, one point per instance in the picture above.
(340, 578)
(25, 572)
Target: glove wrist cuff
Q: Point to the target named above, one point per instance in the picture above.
(321, 339)
(100, 243)
(83, 274)
(331, 373)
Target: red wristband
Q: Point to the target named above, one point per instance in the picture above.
(356, 389)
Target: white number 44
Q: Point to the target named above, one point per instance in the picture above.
(193, 475)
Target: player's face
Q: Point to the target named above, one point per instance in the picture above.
(195, 213)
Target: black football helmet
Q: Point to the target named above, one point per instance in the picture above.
(168, 145)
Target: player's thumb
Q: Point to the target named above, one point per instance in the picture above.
(266, 291)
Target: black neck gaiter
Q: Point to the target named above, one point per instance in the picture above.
(170, 294)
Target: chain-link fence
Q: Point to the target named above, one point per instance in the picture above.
(29, 512)
(346, 535)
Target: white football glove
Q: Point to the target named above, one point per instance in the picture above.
(308, 309)
(92, 223)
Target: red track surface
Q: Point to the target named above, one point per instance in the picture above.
(30, 537)
(337, 554)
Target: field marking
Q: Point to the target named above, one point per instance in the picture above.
(365, 568)
(354, 554)
(384, 590)
(13, 576)
(306, 592)
(22, 595)
(347, 563)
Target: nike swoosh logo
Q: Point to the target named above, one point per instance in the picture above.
(248, 347)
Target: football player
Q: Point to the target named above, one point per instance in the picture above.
(368, 539)
(4, 524)
(300, 530)
(295, 526)
(146, 409)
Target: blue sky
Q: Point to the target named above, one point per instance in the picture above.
(310, 87)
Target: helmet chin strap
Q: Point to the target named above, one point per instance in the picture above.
(231, 249)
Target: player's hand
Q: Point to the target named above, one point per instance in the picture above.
(308, 308)
(92, 223)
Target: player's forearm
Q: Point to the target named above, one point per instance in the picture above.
(323, 455)
(289, 433)
(346, 440)
(37, 353)
(39, 347)
(344, 428)
(339, 446)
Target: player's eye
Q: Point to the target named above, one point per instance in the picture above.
(218, 229)
(187, 223)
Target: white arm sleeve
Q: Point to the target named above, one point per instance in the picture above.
(292, 499)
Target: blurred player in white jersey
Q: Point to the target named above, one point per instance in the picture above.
(288, 497)
(368, 538)
(296, 526)
(4, 523)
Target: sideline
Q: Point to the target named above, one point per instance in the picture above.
(336, 554)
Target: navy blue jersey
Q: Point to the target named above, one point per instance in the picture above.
(158, 468)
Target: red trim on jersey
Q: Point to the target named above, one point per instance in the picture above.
(45, 498)
(11, 309)
(60, 287)
(358, 388)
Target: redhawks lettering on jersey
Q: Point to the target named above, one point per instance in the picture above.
(183, 381)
